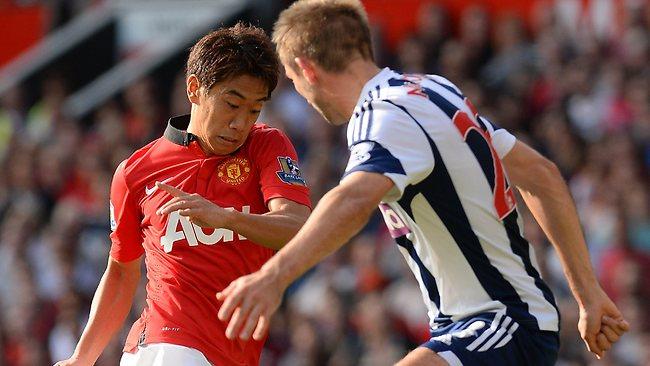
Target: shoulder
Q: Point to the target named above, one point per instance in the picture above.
(262, 131)
(131, 169)
(263, 136)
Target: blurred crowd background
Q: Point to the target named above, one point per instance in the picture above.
(576, 91)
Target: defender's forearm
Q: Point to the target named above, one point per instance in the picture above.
(338, 216)
(552, 206)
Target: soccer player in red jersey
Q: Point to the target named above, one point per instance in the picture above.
(240, 177)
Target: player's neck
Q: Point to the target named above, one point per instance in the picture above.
(201, 139)
(347, 86)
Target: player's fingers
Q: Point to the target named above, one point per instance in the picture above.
(239, 317)
(176, 206)
(166, 204)
(611, 335)
(171, 189)
(221, 295)
(251, 322)
(187, 212)
(603, 343)
(590, 327)
(233, 323)
(230, 302)
(619, 326)
(592, 346)
(262, 327)
(615, 314)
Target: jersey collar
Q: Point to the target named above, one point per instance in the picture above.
(176, 130)
(383, 75)
(369, 90)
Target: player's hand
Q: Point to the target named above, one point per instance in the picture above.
(72, 361)
(199, 210)
(248, 304)
(601, 324)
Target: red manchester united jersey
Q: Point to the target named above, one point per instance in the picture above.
(186, 264)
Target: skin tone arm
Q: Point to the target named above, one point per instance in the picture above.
(547, 196)
(110, 306)
(272, 229)
(340, 214)
(251, 300)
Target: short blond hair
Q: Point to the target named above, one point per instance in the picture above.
(328, 32)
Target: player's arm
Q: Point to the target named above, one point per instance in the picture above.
(283, 189)
(116, 289)
(381, 165)
(272, 229)
(547, 196)
(110, 306)
(339, 215)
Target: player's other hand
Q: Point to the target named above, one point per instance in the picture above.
(601, 324)
(248, 304)
(72, 361)
(199, 210)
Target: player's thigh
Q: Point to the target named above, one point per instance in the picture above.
(422, 356)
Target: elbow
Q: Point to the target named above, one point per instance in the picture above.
(546, 177)
(297, 223)
(548, 171)
(355, 200)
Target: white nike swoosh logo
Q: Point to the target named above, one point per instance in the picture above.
(149, 191)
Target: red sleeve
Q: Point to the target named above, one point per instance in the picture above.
(126, 236)
(280, 175)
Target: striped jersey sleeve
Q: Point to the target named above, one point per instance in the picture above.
(379, 147)
(502, 140)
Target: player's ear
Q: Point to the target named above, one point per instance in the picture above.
(193, 87)
(307, 68)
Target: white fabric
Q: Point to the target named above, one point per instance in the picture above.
(164, 354)
(396, 123)
(451, 358)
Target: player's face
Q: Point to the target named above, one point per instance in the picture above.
(228, 111)
(313, 96)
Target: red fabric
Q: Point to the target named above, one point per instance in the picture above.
(398, 18)
(187, 265)
(21, 27)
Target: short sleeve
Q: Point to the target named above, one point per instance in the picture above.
(391, 144)
(280, 174)
(126, 235)
(502, 140)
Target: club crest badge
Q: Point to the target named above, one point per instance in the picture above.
(290, 172)
(234, 171)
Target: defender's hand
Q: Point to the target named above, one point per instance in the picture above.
(248, 304)
(601, 324)
(72, 361)
(199, 210)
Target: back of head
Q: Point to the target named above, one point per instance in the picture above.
(231, 52)
(328, 32)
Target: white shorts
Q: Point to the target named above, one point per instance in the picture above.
(164, 354)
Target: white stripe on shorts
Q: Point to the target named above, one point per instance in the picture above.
(508, 337)
(451, 358)
(497, 336)
(493, 328)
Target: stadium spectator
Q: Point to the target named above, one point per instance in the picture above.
(608, 169)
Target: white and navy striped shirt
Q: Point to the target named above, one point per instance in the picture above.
(452, 210)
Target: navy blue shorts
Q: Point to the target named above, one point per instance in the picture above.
(493, 339)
